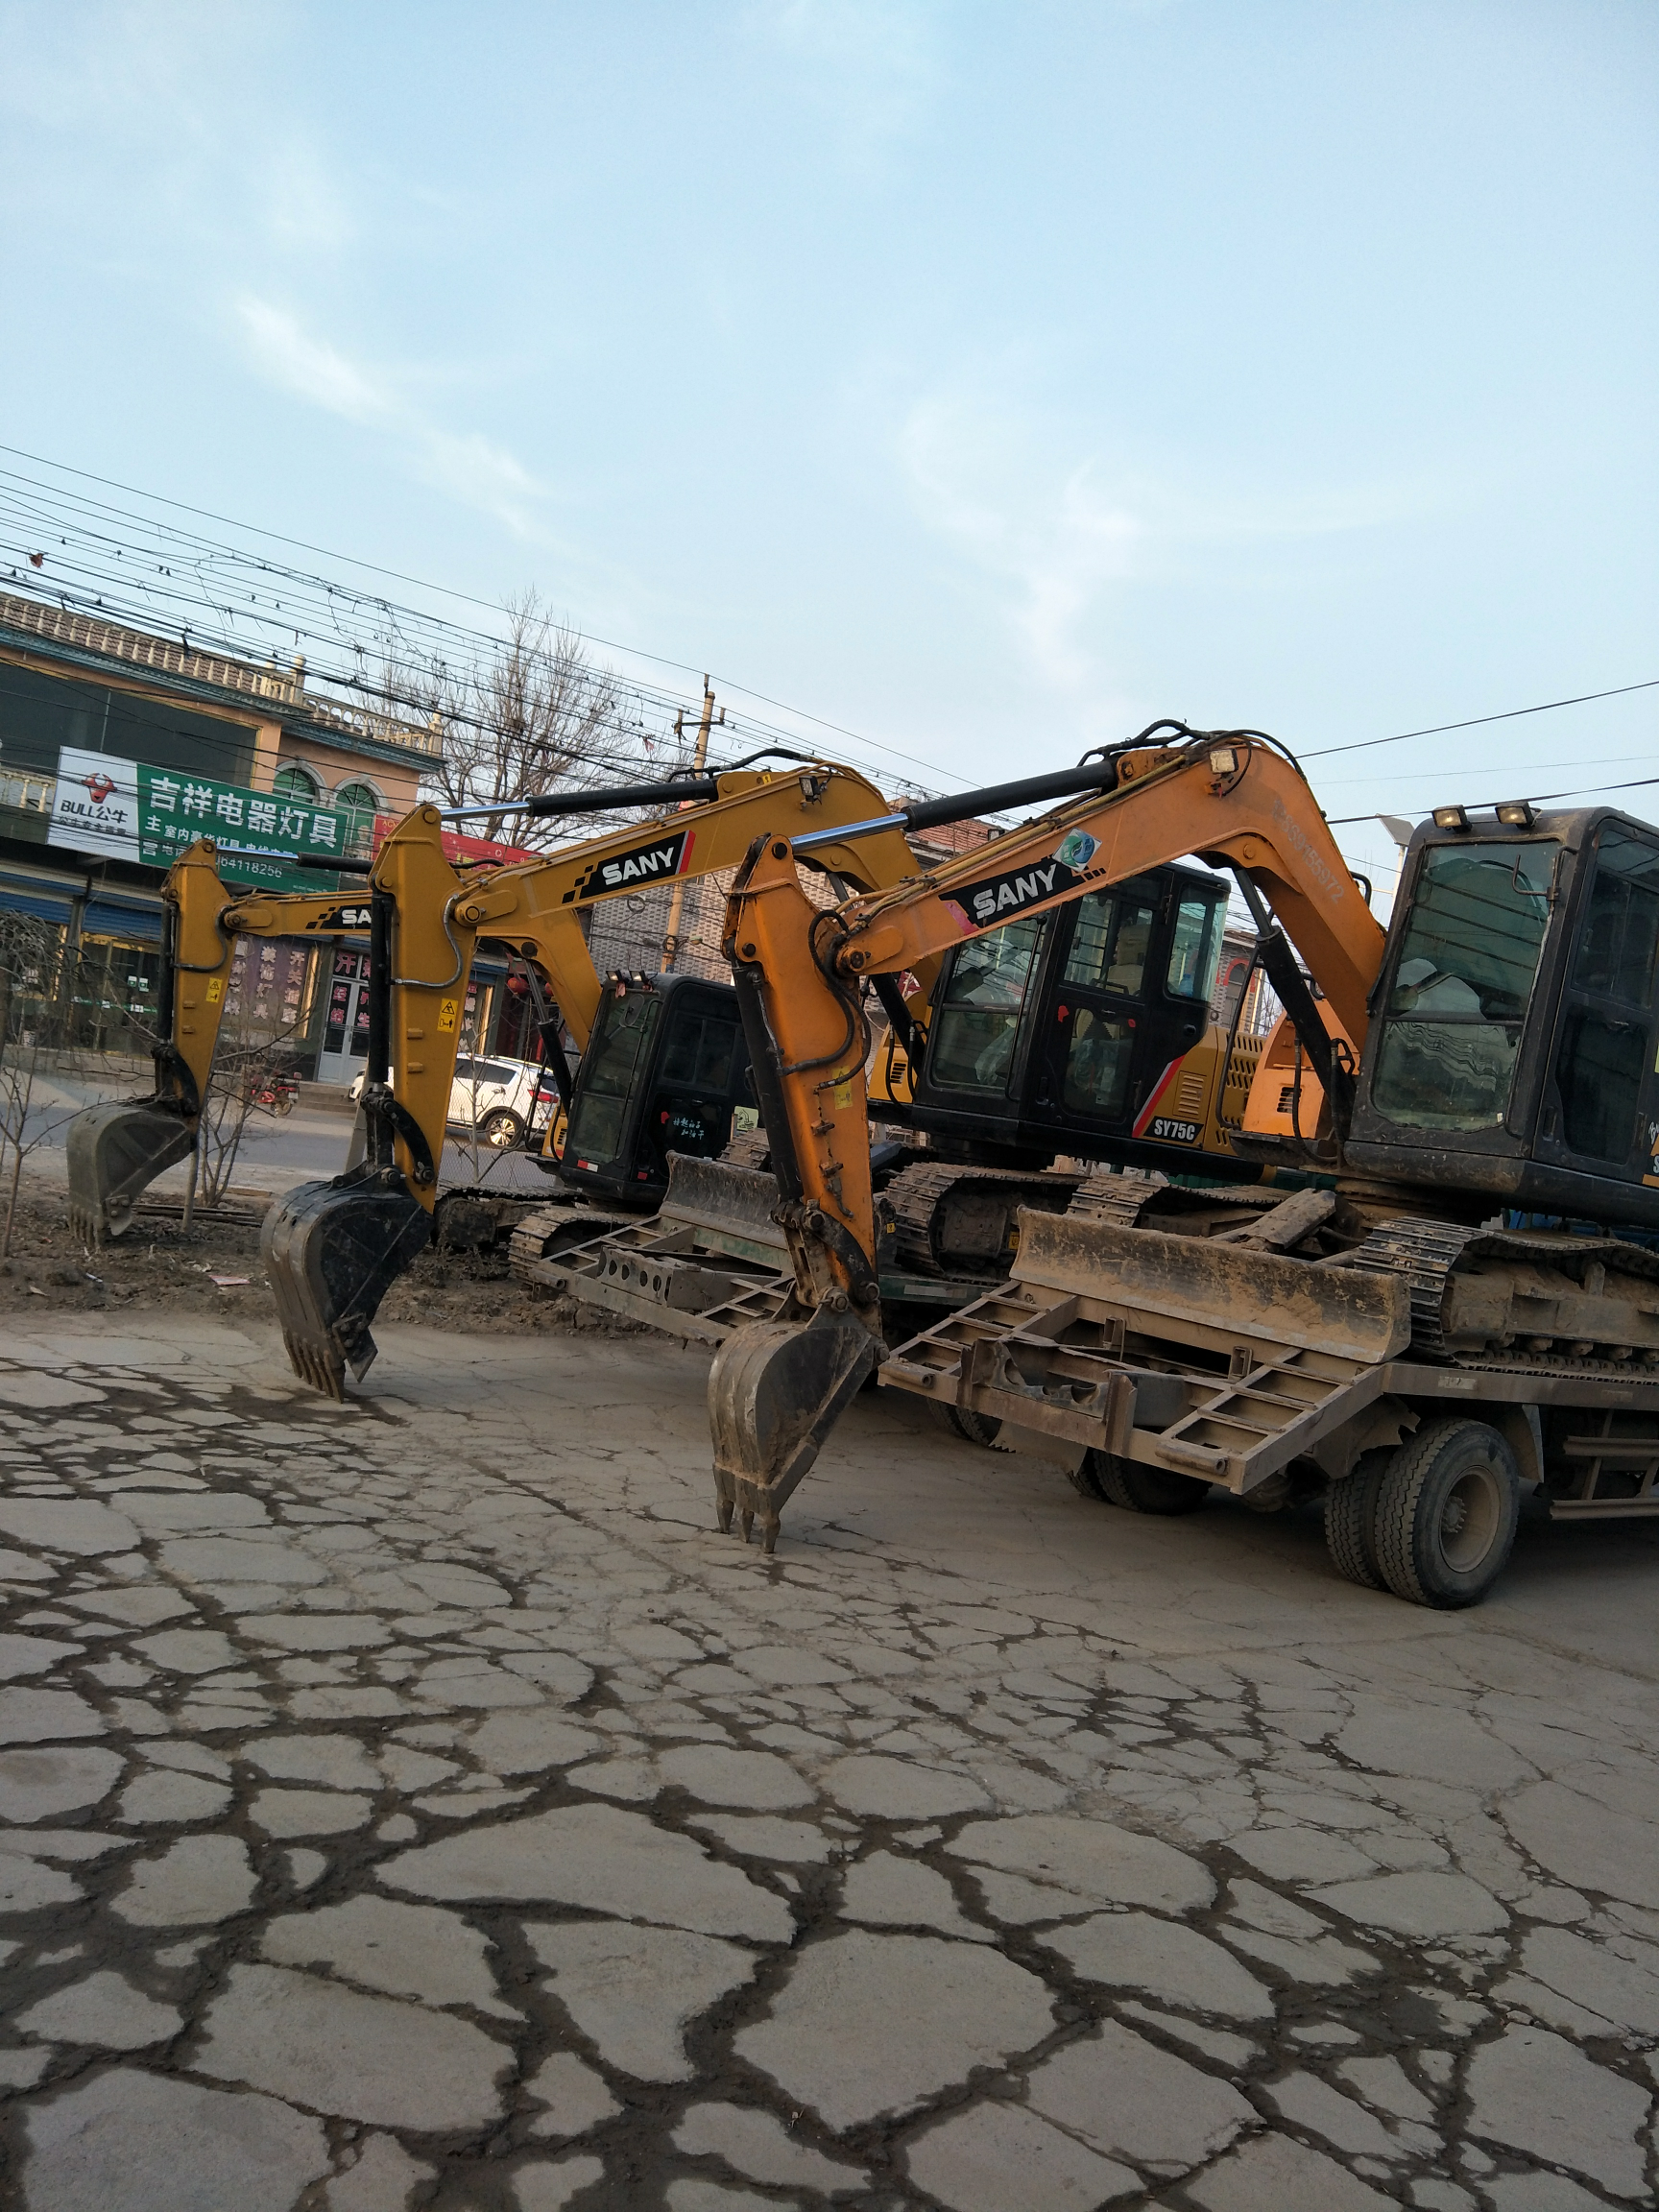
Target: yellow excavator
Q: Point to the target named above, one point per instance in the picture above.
(664, 1079)
(341, 1245)
(1472, 1305)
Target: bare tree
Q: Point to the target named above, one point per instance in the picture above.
(533, 717)
(35, 977)
(253, 1075)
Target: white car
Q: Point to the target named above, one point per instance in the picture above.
(496, 1097)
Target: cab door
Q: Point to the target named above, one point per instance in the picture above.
(1602, 1104)
(1127, 999)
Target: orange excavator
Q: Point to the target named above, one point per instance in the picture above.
(1469, 1309)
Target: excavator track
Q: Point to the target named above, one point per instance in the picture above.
(749, 1148)
(1542, 1303)
(1122, 1198)
(1424, 1254)
(551, 1229)
(958, 1221)
(1130, 1199)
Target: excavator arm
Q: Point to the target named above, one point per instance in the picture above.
(537, 906)
(333, 1249)
(437, 914)
(116, 1151)
(1235, 800)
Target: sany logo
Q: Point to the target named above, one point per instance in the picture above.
(99, 787)
(643, 864)
(980, 904)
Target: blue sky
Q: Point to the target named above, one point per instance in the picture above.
(986, 380)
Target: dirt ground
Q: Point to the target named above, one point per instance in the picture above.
(159, 1264)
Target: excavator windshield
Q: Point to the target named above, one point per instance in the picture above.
(978, 1021)
(1195, 948)
(1468, 958)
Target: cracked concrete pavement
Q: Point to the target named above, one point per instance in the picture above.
(416, 1803)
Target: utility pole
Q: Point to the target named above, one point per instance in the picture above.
(677, 897)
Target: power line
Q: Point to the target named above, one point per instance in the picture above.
(1532, 799)
(1486, 768)
(313, 607)
(1474, 721)
(465, 598)
(171, 580)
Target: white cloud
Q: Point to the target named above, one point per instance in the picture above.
(1060, 532)
(467, 465)
(1056, 537)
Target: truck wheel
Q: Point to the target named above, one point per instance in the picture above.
(1447, 1508)
(1351, 1522)
(974, 1427)
(1140, 1489)
(1086, 1478)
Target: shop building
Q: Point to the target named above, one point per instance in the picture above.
(77, 682)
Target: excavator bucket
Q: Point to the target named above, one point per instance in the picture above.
(332, 1251)
(776, 1390)
(115, 1151)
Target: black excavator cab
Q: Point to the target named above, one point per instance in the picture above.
(667, 1070)
(1055, 1034)
(1514, 1045)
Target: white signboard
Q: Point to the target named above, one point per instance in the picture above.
(96, 809)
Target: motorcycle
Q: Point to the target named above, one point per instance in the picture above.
(276, 1092)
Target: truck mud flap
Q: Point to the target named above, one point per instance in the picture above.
(114, 1153)
(332, 1251)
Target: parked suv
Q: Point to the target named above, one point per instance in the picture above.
(496, 1098)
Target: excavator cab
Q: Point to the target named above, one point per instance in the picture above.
(1513, 1048)
(665, 1070)
(1086, 1023)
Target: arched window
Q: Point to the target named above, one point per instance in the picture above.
(295, 780)
(359, 801)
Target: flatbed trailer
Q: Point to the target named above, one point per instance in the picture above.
(1104, 1351)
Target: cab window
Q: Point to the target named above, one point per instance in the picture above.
(1195, 950)
(1109, 944)
(1468, 956)
(1603, 1052)
(621, 1039)
(700, 1050)
(1098, 1057)
(978, 1021)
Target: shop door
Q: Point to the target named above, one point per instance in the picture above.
(346, 1029)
